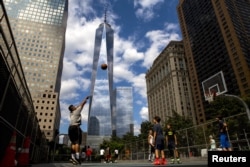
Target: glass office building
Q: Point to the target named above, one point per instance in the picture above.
(39, 30)
(216, 37)
(123, 111)
(101, 101)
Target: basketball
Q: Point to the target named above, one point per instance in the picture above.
(104, 66)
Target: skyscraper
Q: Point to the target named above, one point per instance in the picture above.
(168, 85)
(123, 111)
(39, 29)
(216, 37)
(101, 90)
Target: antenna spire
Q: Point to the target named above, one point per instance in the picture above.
(105, 13)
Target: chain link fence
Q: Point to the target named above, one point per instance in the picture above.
(194, 141)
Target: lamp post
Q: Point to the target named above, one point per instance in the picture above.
(242, 101)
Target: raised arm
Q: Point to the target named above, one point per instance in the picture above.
(84, 101)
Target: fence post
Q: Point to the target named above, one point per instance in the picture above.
(205, 136)
(188, 144)
(246, 139)
(237, 139)
(131, 151)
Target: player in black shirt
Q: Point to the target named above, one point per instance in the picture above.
(171, 141)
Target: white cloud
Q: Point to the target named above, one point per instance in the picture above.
(159, 40)
(144, 113)
(139, 84)
(137, 128)
(69, 69)
(145, 8)
(171, 26)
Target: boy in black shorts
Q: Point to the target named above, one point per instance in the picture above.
(75, 132)
(171, 142)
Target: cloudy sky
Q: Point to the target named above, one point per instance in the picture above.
(142, 28)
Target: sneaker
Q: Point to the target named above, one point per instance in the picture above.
(156, 162)
(172, 160)
(73, 161)
(78, 161)
(163, 161)
(178, 160)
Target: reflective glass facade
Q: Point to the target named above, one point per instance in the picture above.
(123, 117)
(39, 30)
(42, 11)
(101, 101)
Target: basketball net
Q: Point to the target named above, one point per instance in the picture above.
(210, 97)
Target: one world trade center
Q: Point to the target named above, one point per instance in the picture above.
(101, 89)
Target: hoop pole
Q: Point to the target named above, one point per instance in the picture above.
(243, 102)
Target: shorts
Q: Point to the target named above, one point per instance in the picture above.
(75, 134)
(224, 141)
(171, 145)
(159, 145)
(151, 149)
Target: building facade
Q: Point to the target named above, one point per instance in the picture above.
(168, 85)
(17, 113)
(101, 90)
(39, 30)
(123, 111)
(216, 38)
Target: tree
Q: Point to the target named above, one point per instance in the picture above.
(145, 127)
(178, 122)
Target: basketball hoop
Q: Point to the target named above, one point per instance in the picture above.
(214, 86)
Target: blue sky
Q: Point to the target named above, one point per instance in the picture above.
(142, 28)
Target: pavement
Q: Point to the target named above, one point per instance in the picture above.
(132, 163)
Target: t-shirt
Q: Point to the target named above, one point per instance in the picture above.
(159, 133)
(222, 127)
(150, 139)
(116, 151)
(89, 152)
(170, 134)
(212, 144)
(75, 116)
(102, 152)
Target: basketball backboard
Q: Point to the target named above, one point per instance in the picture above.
(214, 86)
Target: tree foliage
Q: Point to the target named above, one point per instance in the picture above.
(178, 122)
(145, 127)
(233, 112)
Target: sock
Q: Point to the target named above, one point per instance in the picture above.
(73, 156)
(77, 155)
